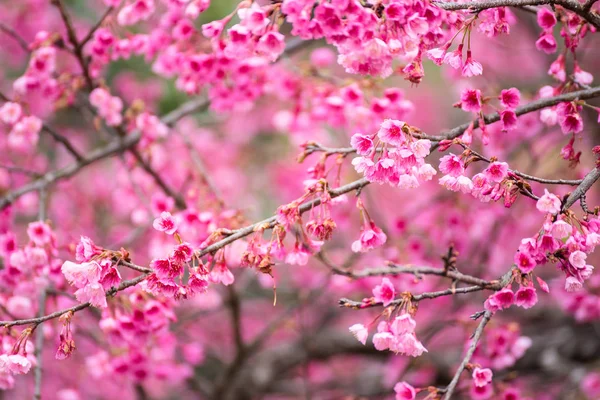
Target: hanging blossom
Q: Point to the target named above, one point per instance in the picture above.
(397, 336)
(109, 107)
(393, 155)
(566, 241)
(23, 129)
(371, 236)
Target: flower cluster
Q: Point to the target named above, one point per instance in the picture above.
(564, 240)
(501, 347)
(397, 336)
(399, 161)
(24, 129)
(167, 278)
(109, 107)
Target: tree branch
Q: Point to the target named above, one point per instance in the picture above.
(478, 332)
(96, 26)
(480, 285)
(582, 189)
(11, 32)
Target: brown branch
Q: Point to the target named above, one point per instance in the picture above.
(571, 182)
(96, 26)
(476, 336)
(582, 189)
(64, 141)
(72, 36)
(410, 269)
(39, 344)
(272, 221)
(587, 6)
(11, 32)
(480, 285)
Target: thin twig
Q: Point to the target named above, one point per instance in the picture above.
(11, 32)
(96, 26)
(582, 189)
(480, 285)
(72, 36)
(39, 344)
(478, 332)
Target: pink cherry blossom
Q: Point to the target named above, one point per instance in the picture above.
(391, 132)
(360, 332)
(370, 238)
(39, 233)
(470, 100)
(384, 292)
(404, 391)
(526, 297)
(546, 18)
(482, 376)
(496, 171)
(362, 143)
(510, 98)
(548, 203)
(165, 223)
(10, 113)
(500, 300)
(471, 67)
(452, 165)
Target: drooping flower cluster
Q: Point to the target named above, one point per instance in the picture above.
(109, 107)
(24, 129)
(397, 336)
(393, 155)
(93, 275)
(565, 240)
(167, 278)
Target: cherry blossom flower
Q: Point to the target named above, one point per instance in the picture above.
(360, 332)
(572, 284)
(500, 300)
(10, 113)
(482, 376)
(404, 391)
(471, 67)
(546, 18)
(165, 223)
(362, 143)
(391, 132)
(452, 165)
(40, 233)
(526, 297)
(385, 292)
(577, 259)
(548, 203)
(470, 100)
(510, 98)
(370, 238)
(546, 43)
(496, 171)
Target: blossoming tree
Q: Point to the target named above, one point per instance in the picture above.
(409, 250)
